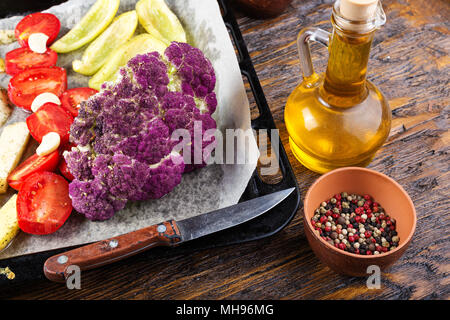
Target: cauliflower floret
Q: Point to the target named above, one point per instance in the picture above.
(163, 176)
(80, 164)
(93, 199)
(124, 133)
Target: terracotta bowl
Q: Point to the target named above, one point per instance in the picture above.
(388, 193)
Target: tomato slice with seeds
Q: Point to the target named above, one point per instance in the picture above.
(32, 165)
(72, 98)
(43, 203)
(50, 118)
(28, 84)
(38, 22)
(21, 59)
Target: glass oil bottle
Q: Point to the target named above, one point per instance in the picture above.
(339, 118)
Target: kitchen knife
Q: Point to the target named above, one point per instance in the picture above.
(169, 233)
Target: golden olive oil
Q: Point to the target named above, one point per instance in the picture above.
(339, 118)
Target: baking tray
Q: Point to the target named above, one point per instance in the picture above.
(29, 267)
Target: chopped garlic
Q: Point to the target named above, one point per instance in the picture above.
(38, 42)
(50, 142)
(42, 99)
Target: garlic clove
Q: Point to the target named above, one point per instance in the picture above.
(38, 42)
(42, 99)
(50, 142)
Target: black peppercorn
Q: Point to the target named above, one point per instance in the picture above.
(341, 221)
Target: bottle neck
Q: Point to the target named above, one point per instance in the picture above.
(345, 79)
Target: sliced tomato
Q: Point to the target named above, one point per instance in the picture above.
(31, 165)
(38, 22)
(21, 59)
(43, 203)
(28, 84)
(73, 97)
(50, 118)
(64, 169)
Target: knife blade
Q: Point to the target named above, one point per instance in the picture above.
(214, 221)
(169, 233)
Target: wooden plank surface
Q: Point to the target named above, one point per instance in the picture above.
(410, 63)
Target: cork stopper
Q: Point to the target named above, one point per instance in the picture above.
(358, 10)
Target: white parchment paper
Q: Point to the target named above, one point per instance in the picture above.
(210, 188)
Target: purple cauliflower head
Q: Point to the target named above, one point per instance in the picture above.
(125, 134)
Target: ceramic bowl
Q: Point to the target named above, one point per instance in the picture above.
(384, 190)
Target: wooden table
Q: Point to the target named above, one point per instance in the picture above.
(410, 63)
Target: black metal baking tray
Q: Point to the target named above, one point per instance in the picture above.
(29, 267)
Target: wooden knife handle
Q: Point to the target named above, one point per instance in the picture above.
(114, 249)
